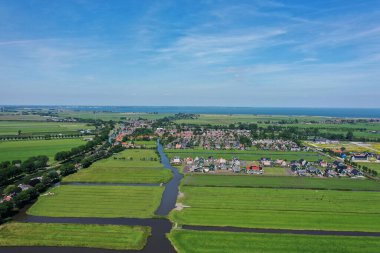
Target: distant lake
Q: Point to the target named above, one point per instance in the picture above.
(330, 112)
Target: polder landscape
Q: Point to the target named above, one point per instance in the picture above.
(102, 181)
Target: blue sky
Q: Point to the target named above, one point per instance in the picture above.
(323, 53)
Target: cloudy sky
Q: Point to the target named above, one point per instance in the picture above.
(323, 53)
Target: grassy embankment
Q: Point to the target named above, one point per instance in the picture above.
(99, 201)
(74, 235)
(188, 241)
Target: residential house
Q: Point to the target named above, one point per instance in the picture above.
(359, 157)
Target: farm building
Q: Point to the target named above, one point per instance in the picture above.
(359, 157)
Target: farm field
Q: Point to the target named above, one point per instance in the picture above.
(219, 119)
(99, 201)
(9, 116)
(350, 147)
(247, 155)
(21, 150)
(282, 182)
(146, 144)
(275, 171)
(189, 241)
(106, 116)
(359, 129)
(74, 235)
(40, 128)
(285, 209)
(372, 166)
(117, 170)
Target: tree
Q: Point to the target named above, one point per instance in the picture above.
(11, 189)
(21, 199)
(68, 169)
(350, 135)
(6, 209)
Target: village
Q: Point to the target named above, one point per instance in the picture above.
(330, 163)
(300, 167)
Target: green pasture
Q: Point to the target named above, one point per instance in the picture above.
(115, 116)
(8, 116)
(247, 155)
(40, 128)
(279, 208)
(188, 241)
(275, 171)
(99, 201)
(372, 166)
(146, 144)
(74, 235)
(219, 119)
(21, 150)
(248, 181)
(117, 170)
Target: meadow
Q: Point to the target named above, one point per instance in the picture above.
(285, 209)
(248, 181)
(146, 144)
(11, 128)
(350, 147)
(372, 166)
(106, 116)
(21, 150)
(219, 119)
(275, 171)
(118, 170)
(188, 241)
(359, 129)
(247, 155)
(74, 235)
(13, 116)
(99, 201)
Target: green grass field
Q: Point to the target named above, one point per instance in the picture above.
(359, 129)
(21, 150)
(372, 166)
(275, 171)
(286, 209)
(188, 241)
(282, 182)
(247, 155)
(99, 201)
(350, 147)
(113, 170)
(74, 235)
(8, 116)
(219, 119)
(40, 128)
(146, 144)
(106, 116)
